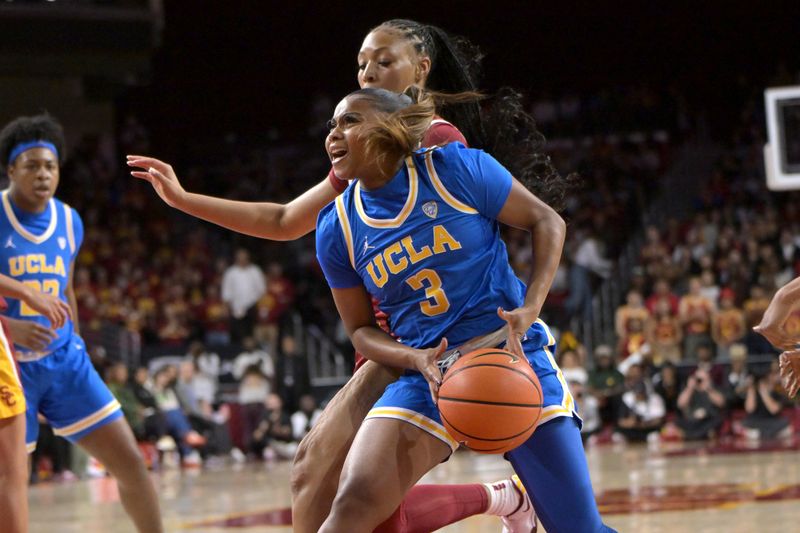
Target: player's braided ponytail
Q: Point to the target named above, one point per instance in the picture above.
(502, 127)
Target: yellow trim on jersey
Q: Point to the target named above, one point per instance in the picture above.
(417, 419)
(448, 198)
(344, 222)
(12, 399)
(413, 187)
(70, 230)
(31, 446)
(94, 418)
(12, 218)
(567, 402)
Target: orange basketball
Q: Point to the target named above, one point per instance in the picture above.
(490, 400)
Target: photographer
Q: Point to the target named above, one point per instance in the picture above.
(763, 405)
(701, 407)
(642, 411)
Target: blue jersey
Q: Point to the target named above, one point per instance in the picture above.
(427, 246)
(38, 249)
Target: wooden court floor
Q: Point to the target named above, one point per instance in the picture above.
(666, 488)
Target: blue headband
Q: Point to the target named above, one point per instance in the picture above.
(24, 147)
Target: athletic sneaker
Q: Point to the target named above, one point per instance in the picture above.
(523, 519)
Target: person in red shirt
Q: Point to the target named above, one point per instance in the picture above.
(393, 56)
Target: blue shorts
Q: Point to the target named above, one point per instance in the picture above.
(409, 398)
(66, 389)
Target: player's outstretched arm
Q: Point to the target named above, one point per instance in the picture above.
(53, 308)
(267, 220)
(785, 301)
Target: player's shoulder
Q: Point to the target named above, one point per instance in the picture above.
(328, 219)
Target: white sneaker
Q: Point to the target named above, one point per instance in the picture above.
(192, 460)
(523, 519)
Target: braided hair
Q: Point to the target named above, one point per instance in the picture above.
(502, 128)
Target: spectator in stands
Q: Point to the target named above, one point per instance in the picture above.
(633, 309)
(274, 304)
(215, 318)
(292, 372)
(695, 313)
(253, 356)
(701, 408)
(176, 423)
(174, 332)
(306, 416)
(763, 405)
(706, 360)
(654, 248)
(728, 325)
(587, 261)
(273, 438)
(117, 381)
(664, 334)
(571, 367)
(642, 410)
(662, 292)
(667, 385)
(633, 341)
(738, 377)
(589, 408)
(243, 284)
(606, 383)
(710, 289)
(253, 392)
(201, 415)
(207, 371)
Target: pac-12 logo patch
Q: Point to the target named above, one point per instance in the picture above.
(430, 209)
(62, 242)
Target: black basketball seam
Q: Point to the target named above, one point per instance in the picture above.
(520, 372)
(489, 402)
(491, 440)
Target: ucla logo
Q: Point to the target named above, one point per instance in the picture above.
(430, 209)
(62, 242)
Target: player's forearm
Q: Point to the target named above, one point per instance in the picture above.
(547, 240)
(376, 345)
(266, 220)
(12, 288)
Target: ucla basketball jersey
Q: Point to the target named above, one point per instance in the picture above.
(427, 246)
(38, 249)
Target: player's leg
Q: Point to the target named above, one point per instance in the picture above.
(13, 474)
(113, 445)
(552, 465)
(81, 409)
(318, 463)
(387, 458)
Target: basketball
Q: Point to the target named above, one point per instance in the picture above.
(490, 400)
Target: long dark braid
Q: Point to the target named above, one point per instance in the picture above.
(503, 128)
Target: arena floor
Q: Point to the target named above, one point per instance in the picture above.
(670, 488)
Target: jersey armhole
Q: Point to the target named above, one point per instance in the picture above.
(441, 190)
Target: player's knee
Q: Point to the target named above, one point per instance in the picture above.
(361, 495)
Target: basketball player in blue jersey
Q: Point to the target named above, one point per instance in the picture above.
(418, 231)
(40, 238)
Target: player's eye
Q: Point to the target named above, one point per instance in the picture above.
(330, 124)
(362, 66)
(350, 118)
(384, 63)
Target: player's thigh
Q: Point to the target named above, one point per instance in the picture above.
(114, 445)
(13, 457)
(329, 440)
(387, 458)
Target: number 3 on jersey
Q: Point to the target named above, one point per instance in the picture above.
(48, 286)
(429, 280)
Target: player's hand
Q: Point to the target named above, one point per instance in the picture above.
(29, 334)
(774, 331)
(425, 364)
(161, 176)
(518, 322)
(53, 308)
(789, 363)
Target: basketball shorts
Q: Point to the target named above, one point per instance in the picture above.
(66, 389)
(12, 399)
(409, 398)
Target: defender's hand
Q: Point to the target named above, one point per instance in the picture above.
(53, 308)
(161, 176)
(518, 322)
(789, 363)
(31, 335)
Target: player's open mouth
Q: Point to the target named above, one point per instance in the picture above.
(41, 191)
(338, 154)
